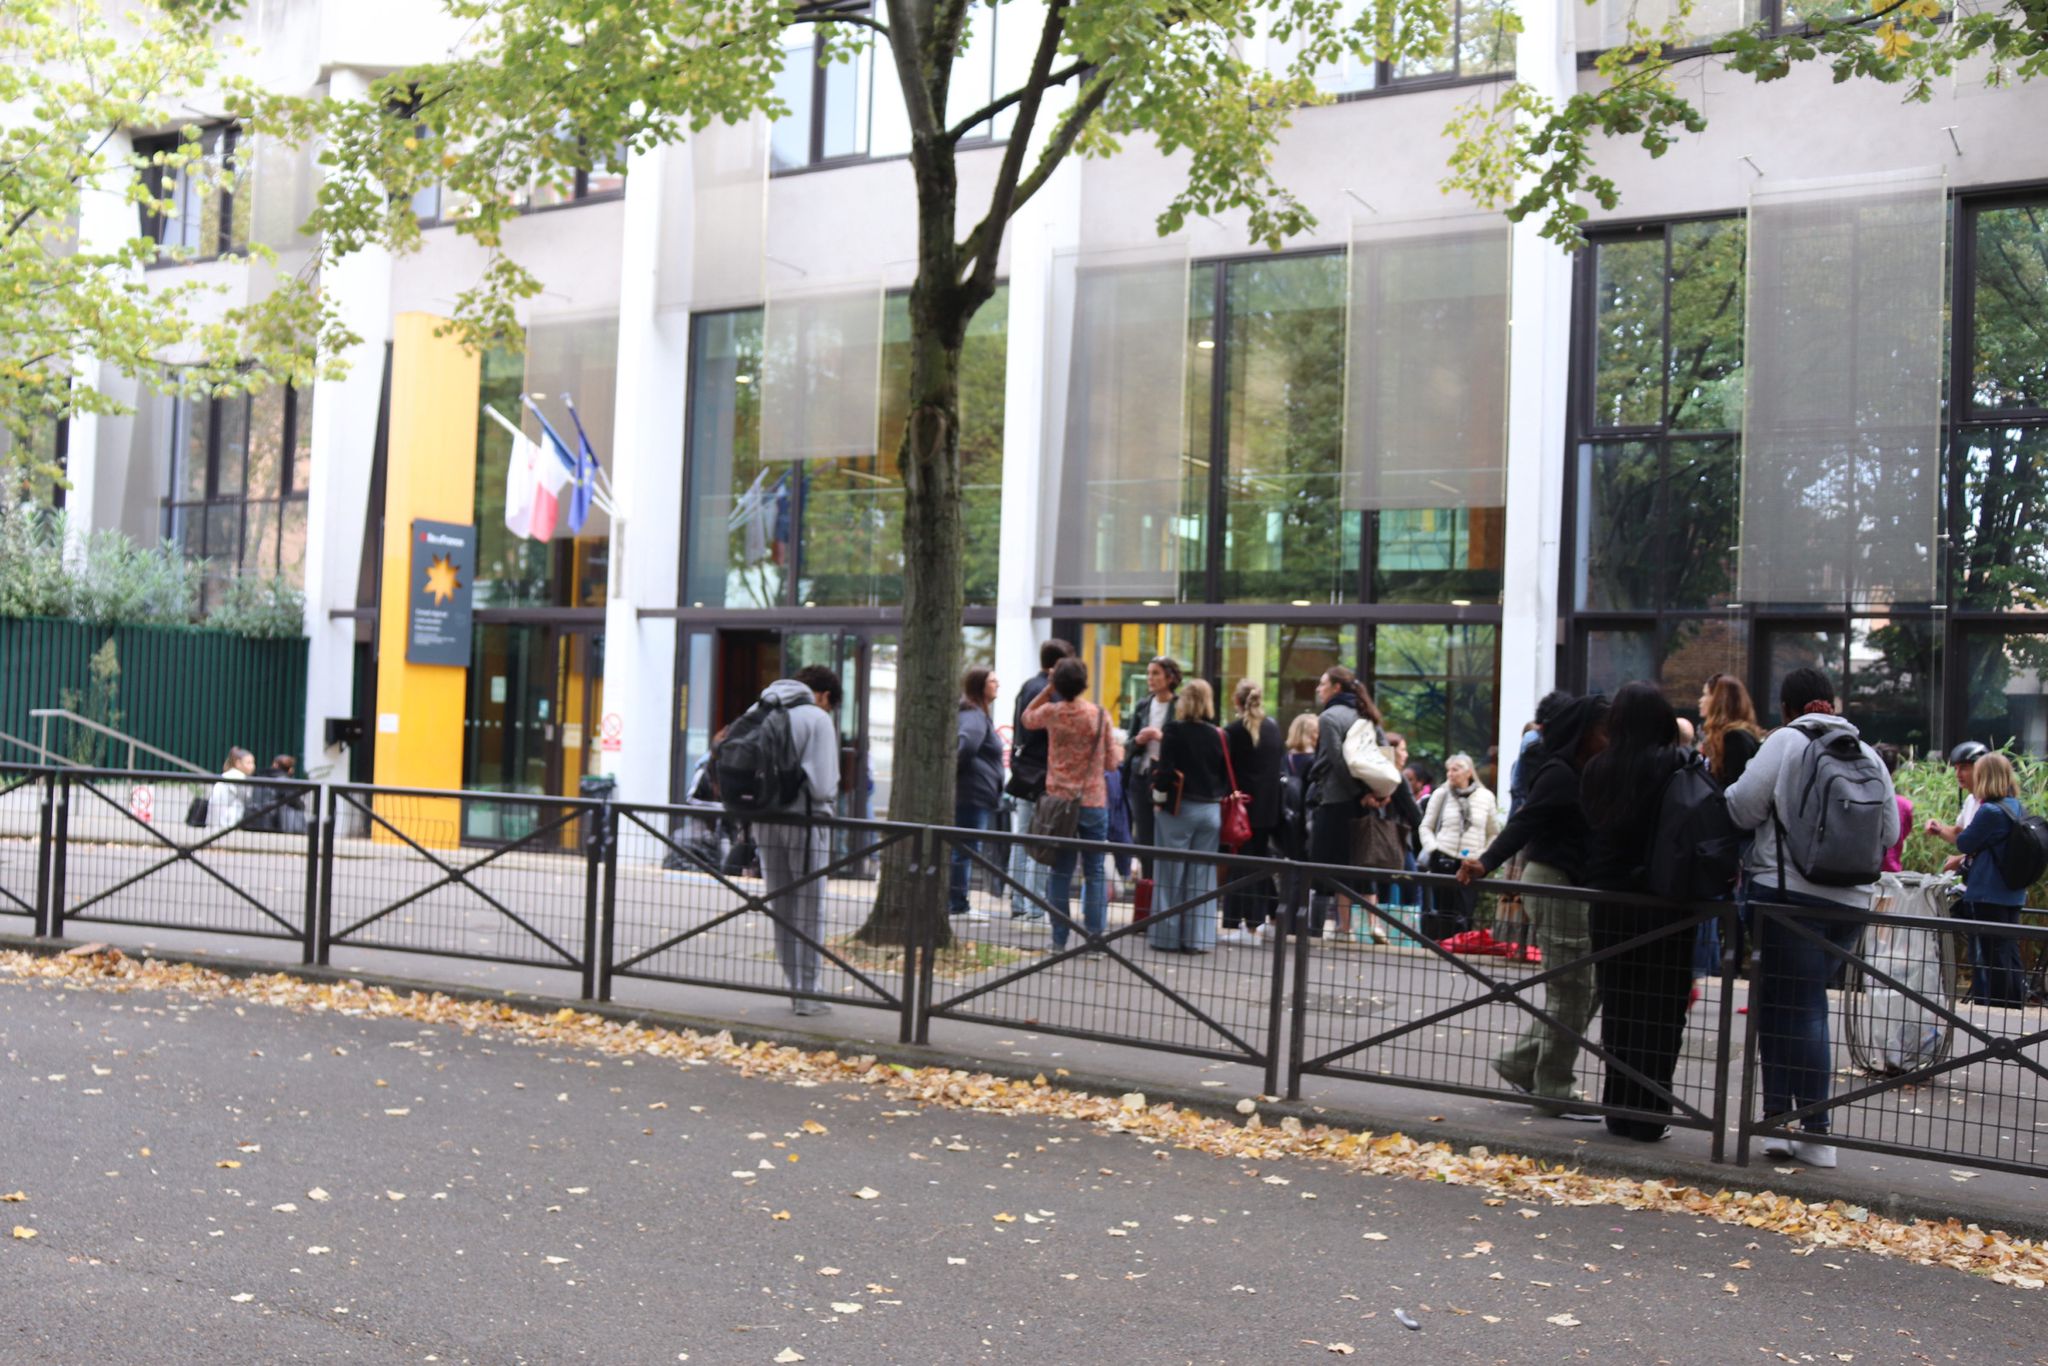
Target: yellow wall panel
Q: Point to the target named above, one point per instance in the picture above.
(430, 472)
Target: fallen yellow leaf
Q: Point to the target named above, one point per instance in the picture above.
(23, 1232)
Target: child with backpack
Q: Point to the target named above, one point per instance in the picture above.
(1823, 809)
(2003, 854)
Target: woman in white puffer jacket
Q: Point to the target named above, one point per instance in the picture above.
(1461, 819)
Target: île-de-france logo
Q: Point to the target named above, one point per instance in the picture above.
(442, 580)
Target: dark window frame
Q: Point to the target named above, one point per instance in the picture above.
(1951, 626)
(217, 140)
(284, 495)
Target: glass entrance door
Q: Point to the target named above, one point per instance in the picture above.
(533, 723)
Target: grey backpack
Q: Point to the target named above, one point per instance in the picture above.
(1829, 809)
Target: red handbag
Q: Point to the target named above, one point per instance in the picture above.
(1237, 817)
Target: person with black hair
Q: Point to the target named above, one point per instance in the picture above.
(1644, 989)
(1081, 749)
(1147, 728)
(1337, 801)
(1525, 765)
(1550, 824)
(977, 780)
(1790, 998)
(1027, 784)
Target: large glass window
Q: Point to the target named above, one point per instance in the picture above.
(829, 532)
(240, 465)
(1439, 686)
(193, 211)
(1479, 44)
(1286, 537)
(2005, 678)
(1286, 659)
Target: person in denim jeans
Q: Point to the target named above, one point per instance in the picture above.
(1997, 977)
(1080, 747)
(1789, 1001)
(1189, 786)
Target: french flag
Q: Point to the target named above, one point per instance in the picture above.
(533, 486)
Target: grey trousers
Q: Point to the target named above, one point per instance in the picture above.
(788, 852)
(1545, 1060)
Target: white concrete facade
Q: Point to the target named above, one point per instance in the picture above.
(614, 259)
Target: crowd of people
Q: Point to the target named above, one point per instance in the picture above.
(1812, 807)
(242, 799)
(1164, 778)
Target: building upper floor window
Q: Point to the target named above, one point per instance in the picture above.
(196, 215)
(604, 178)
(1480, 46)
(239, 469)
(853, 111)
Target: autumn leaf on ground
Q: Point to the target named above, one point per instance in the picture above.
(23, 1232)
(13, 1197)
(228, 1162)
(865, 1193)
(845, 1307)
(788, 1355)
(316, 1194)
(1563, 1320)
(811, 1126)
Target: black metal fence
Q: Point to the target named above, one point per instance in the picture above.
(1898, 1029)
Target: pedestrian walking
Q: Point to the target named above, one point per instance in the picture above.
(794, 848)
(1643, 990)
(1996, 975)
(1147, 728)
(1080, 747)
(1188, 788)
(227, 804)
(977, 780)
(1461, 819)
(1826, 858)
(1258, 757)
(1027, 783)
(1548, 826)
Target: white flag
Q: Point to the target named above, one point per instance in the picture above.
(521, 486)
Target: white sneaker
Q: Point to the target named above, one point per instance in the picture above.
(1777, 1147)
(1267, 931)
(975, 914)
(1814, 1154)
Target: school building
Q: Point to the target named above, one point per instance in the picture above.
(1790, 406)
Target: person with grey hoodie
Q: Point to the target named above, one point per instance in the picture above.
(794, 849)
(1792, 970)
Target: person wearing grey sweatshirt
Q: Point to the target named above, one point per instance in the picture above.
(795, 847)
(1791, 992)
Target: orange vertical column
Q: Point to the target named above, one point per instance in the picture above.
(430, 472)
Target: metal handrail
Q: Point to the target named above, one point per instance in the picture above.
(43, 755)
(44, 714)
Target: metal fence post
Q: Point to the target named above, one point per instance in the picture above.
(310, 952)
(608, 931)
(1297, 916)
(593, 874)
(1747, 1098)
(1276, 1006)
(323, 923)
(1731, 956)
(45, 851)
(53, 914)
(911, 1018)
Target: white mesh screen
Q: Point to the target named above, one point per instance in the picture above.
(1426, 364)
(725, 201)
(1115, 425)
(821, 372)
(1841, 476)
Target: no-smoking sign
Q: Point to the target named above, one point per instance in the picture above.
(142, 803)
(611, 733)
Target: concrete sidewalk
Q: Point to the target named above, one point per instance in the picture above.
(211, 1181)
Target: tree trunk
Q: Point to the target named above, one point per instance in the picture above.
(911, 899)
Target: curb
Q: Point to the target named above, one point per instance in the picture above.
(1648, 1164)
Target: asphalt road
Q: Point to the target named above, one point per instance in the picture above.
(560, 1206)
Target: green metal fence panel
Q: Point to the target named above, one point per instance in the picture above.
(193, 692)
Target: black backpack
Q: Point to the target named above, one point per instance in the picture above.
(1697, 851)
(2023, 855)
(756, 763)
(1293, 831)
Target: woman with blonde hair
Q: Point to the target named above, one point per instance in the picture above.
(1188, 788)
(1996, 977)
(1254, 745)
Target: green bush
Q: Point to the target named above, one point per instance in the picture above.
(112, 581)
(1931, 786)
(261, 608)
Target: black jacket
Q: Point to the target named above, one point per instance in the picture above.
(1738, 747)
(978, 760)
(1329, 777)
(1550, 822)
(1194, 751)
(1618, 848)
(1134, 753)
(1258, 769)
(1029, 744)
